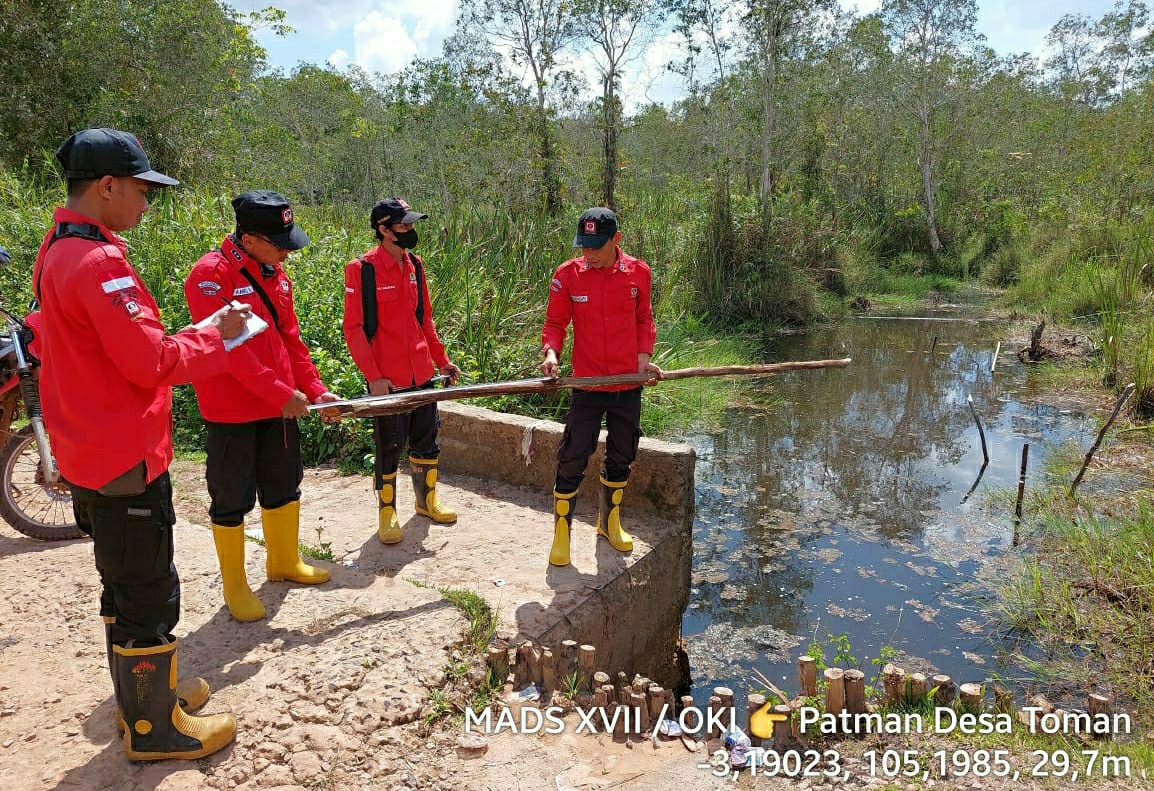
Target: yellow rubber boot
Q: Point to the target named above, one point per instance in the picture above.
(191, 693)
(562, 528)
(239, 597)
(425, 488)
(388, 526)
(282, 527)
(609, 516)
(158, 728)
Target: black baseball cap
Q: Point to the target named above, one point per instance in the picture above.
(269, 213)
(99, 152)
(595, 227)
(392, 211)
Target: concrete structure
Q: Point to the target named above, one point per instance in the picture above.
(629, 607)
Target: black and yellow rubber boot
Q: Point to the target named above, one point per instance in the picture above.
(157, 728)
(191, 693)
(609, 515)
(388, 526)
(424, 473)
(562, 527)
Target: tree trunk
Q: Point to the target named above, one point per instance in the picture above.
(926, 163)
(550, 185)
(610, 117)
(769, 123)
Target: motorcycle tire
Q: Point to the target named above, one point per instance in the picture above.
(36, 509)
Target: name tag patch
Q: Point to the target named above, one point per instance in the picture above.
(240, 292)
(117, 284)
(580, 298)
(138, 511)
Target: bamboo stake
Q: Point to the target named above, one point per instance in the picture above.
(981, 431)
(394, 403)
(754, 703)
(1126, 392)
(807, 676)
(994, 362)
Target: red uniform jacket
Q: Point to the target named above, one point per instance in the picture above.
(402, 351)
(264, 371)
(108, 366)
(611, 312)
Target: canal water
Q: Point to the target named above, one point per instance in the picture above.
(842, 504)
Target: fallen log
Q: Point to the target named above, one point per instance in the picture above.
(371, 406)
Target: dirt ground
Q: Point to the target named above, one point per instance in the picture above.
(329, 690)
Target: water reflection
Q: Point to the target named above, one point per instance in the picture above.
(842, 510)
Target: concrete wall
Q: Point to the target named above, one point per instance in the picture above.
(635, 619)
(489, 444)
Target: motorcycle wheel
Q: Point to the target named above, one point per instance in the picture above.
(35, 508)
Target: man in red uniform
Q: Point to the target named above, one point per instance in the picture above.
(606, 295)
(251, 410)
(107, 398)
(392, 339)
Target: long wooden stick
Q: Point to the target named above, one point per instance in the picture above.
(981, 431)
(403, 402)
(1126, 392)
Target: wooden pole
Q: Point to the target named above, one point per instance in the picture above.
(834, 690)
(394, 403)
(919, 687)
(855, 701)
(499, 662)
(971, 697)
(586, 657)
(782, 729)
(656, 697)
(1021, 490)
(548, 673)
(714, 706)
(754, 703)
(1126, 392)
(894, 683)
(981, 431)
(807, 676)
(994, 362)
(944, 696)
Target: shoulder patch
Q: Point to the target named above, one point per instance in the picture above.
(210, 288)
(555, 285)
(117, 284)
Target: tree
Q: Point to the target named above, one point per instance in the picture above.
(534, 33)
(930, 36)
(618, 28)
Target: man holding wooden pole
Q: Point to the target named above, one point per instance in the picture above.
(605, 294)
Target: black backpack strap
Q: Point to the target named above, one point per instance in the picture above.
(368, 298)
(419, 265)
(65, 230)
(260, 292)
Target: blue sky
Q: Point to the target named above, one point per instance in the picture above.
(384, 36)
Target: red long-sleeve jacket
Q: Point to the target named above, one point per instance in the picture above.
(264, 371)
(402, 351)
(108, 367)
(612, 315)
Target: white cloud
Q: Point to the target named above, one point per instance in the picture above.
(339, 58)
(382, 43)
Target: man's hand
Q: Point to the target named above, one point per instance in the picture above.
(229, 320)
(644, 366)
(329, 415)
(296, 407)
(451, 371)
(380, 387)
(549, 366)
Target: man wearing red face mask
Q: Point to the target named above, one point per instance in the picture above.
(391, 336)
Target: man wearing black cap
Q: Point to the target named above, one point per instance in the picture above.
(106, 391)
(605, 294)
(389, 329)
(251, 410)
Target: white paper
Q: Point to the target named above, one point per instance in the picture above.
(254, 326)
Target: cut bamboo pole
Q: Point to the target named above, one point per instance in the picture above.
(548, 672)
(656, 697)
(498, 660)
(567, 661)
(394, 403)
(639, 705)
(855, 701)
(782, 730)
(807, 676)
(994, 361)
(834, 690)
(1126, 393)
(714, 707)
(600, 679)
(531, 658)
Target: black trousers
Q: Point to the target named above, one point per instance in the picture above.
(417, 429)
(132, 538)
(622, 412)
(246, 460)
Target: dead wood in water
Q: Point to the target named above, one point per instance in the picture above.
(393, 403)
(1126, 392)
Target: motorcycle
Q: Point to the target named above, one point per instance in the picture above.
(34, 499)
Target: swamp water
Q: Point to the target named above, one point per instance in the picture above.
(843, 506)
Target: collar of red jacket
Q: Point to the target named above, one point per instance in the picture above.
(239, 257)
(624, 262)
(63, 214)
(379, 255)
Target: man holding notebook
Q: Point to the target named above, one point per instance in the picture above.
(251, 410)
